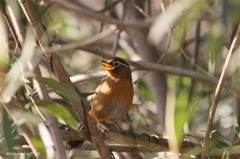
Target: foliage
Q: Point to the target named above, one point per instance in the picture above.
(193, 35)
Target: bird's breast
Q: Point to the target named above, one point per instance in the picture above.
(111, 100)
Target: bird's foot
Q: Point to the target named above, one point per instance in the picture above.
(127, 133)
(102, 130)
(130, 132)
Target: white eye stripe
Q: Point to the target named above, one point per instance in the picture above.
(125, 65)
(117, 64)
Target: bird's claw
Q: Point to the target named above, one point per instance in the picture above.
(103, 130)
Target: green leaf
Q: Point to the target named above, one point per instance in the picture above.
(144, 90)
(26, 117)
(184, 107)
(215, 44)
(61, 88)
(181, 113)
(59, 111)
(14, 78)
(237, 130)
(226, 154)
(39, 145)
(219, 142)
(8, 131)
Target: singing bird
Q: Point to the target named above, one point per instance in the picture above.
(112, 99)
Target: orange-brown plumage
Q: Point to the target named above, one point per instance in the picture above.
(112, 99)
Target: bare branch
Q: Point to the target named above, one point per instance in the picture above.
(16, 21)
(78, 10)
(62, 76)
(88, 76)
(11, 28)
(217, 97)
(140, 65)
(120, 141)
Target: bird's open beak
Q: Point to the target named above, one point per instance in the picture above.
(107, 66)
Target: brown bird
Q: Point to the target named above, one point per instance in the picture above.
(112, 99)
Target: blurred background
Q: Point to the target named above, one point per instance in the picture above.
(192, 36)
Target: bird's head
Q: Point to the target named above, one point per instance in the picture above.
(117, 68)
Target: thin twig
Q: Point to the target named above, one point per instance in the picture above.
(118, 32)
(195, 59)
(88, 76)
(14, 14)
(217, 97)
(140, 10)
(189, 58)
(78, 10)
(116, 41)
(29, 93)
(10, 26)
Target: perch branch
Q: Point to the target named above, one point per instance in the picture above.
(123, 142)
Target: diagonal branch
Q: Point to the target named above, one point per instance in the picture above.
(217, 97)
(10, 25)
(63, 77)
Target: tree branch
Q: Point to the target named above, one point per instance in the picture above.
(78, 10)
(87, 76)
(217, 97)
(13, 11)
(140, 65)
(123, 142)
(63, 77)
(149, 66)
(10, 25)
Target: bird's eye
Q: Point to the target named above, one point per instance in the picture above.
(116, 64)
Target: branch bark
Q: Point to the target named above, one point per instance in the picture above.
(143, 65)
(217, 98)
(62, 76)
(123, 142)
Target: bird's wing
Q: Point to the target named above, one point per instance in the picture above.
(94, 93)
